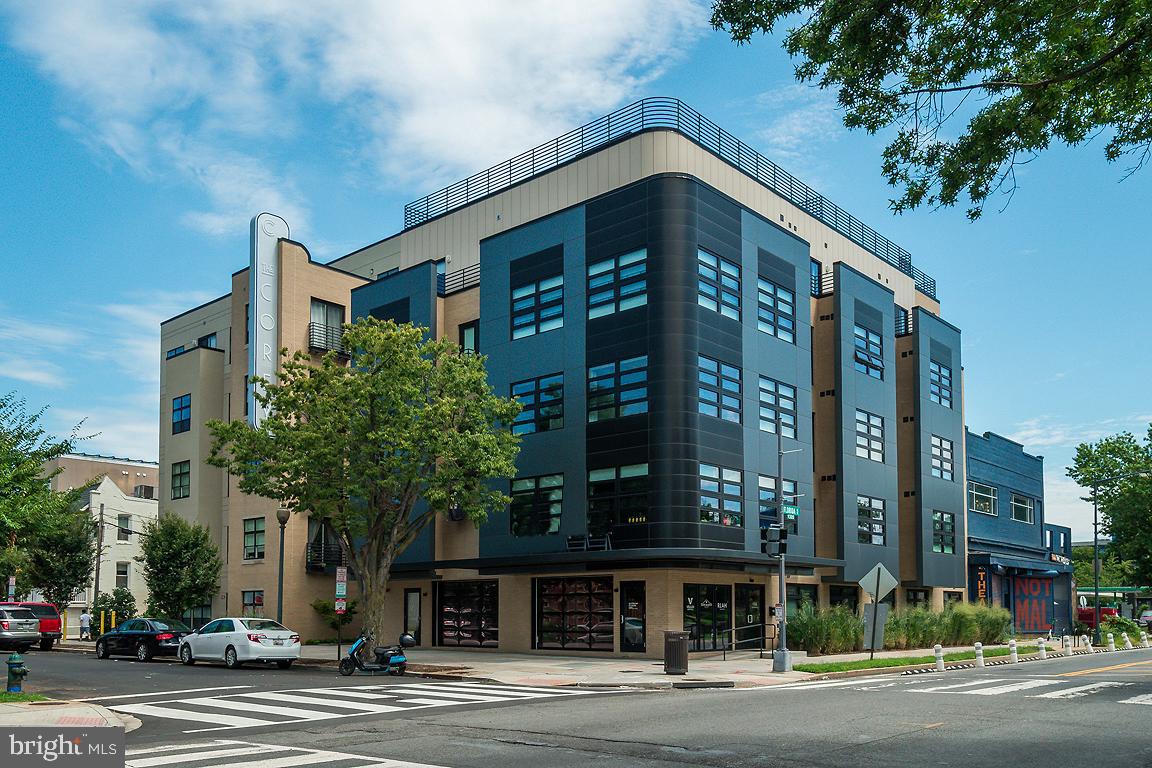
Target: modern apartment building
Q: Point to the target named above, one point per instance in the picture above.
(1015, 559)
(704, 346)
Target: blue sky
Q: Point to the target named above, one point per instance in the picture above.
(138, 139)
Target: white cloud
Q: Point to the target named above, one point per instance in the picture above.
(1047, 432)
(205, 91)
(126, 428)
(31, 370)
(800, 120)
(1064, 503)
(131, 334)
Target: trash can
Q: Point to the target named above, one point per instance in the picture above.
(675, 653)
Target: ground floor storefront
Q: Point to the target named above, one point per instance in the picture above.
(1038, 597)
(615, 612)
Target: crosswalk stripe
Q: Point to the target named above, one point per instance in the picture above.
(358, 706)
(435, 702)
(211, 754)
(268, 709)
(546, 690)
(436, 690)
(821, 684)
(186, 714)
(935, 688)
(1145, 699)
(1010, 688)
(1080, 690)
(151, 750)
(354, 694)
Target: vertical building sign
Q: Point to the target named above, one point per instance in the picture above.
(263, 298)
(981, 585)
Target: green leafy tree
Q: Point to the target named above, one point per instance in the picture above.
(120, 600)
(1118, 469)
(29, 509)
(409, 429)
(1023, 74)
(1113, 571)
(61, 561)
(181, 566)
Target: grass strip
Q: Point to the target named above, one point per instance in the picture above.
(905, 661)
(16, 698)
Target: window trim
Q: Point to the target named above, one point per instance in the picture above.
(123, 528)
(871, 423)
(546, 294)
(615, 387)
(543, 499)
(474, 326)
(182, 408)
(127, 575)
(868, 351)
(1031, 507)
(940, 383)
(617, 284)
(719, 387)
(613, 500)
(943, 530)
(257, 548)
(943, 458)
(995, 496)
(533, 403)
(871, 520)
(717, 483)
(718, 288)
(181, 469)
(769, 313)
(769, 387)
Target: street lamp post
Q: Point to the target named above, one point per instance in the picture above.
(782, 658)
(282, 517)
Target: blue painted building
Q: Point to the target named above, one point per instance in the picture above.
(1015, 559)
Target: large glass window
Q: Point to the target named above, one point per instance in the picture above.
(940, 383)
(708, 616)
(123, 527)
(617, 496)
(617, 284)
(252, 604)
(777, 407)
(869, 436)
(253, 538)
(122, 570)
(869, 352)
(721, 495)
(181, 414)
(470, 337)
(543, 402)
(719, 389)
(941, 458)
(870, 520)
(469, 614)
(538, 307)
(1023, 509)
(775, 310)
(181, 479)
(618, 389)
(718, 284)
(575, 613)
(536, 505)
(770, 504)
(943, 532)
(981, 498)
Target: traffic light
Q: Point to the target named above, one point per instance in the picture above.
(774, 541)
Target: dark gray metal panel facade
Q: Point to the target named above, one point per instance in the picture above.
(939, 341)
(859, 299)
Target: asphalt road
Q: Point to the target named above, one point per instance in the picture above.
(1061, 712)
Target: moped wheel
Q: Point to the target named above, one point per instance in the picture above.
(398, 670)
(347, 666)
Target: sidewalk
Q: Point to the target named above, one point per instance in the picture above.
(74, 714)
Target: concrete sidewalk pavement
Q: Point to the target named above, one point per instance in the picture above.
(69, 714)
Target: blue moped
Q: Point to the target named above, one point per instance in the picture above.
(390, 659)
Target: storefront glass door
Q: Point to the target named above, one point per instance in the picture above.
(632, 619)
(749, 616)
(707, 616)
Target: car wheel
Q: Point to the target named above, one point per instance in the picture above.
(186, 655)
(143, 651)
(46, 644)
(284, 664)
(101, 649)
(231, 660)
(347, 666)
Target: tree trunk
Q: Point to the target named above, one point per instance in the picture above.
(373, 576)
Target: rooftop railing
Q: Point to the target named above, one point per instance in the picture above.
(656, 113)
(460, 280)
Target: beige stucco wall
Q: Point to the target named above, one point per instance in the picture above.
(77, 470)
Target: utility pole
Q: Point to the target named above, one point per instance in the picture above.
(782, 657)
(99, 556)
(1096, 561)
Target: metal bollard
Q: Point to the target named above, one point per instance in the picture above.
(1144, 639)
(1111, 642)
(1127, 641)
(1012, 655)
(979, 654)
(1042, 647)
(939, 651)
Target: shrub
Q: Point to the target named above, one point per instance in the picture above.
(1118, 624)
(825, 630)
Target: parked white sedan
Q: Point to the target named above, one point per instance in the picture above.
(238, 640)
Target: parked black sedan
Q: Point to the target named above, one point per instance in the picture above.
(142, 638)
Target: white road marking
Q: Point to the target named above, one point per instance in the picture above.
(432, 690)
(1010, 688)
(821, 684)
(1145, 699)
(168, 693)
(150, 750)
(300, 756)
(982, 681)
(209, 754)
(329, 702)
(1080, 690)
(186, 714)
(251, 706)
(547, 690)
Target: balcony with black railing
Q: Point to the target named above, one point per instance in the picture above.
(457, 281)
(320, 557)
(665, 113)
(325, 338)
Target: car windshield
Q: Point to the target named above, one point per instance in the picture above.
(175, 626)
(263, 625)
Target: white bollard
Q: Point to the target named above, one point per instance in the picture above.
(1042, 647)
(979, 654)
(1012, 655)
(1066, 645)
(939, 651)
(1111, 642)
(1144, 639)
(1127, 641)
(1086, 643)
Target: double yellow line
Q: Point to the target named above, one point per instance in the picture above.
(1105, 669)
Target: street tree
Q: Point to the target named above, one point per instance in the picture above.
(1024, 75)
(62, 559)
(1113, 571)
(28, 507)
(181, 566)
(376, 446)
(120, 600)
(1119, 468)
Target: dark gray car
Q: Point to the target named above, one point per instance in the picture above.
(19, 629)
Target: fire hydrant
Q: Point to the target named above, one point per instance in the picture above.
(16, 673)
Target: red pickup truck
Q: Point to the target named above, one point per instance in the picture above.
(1087, 616)
(50, 629)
